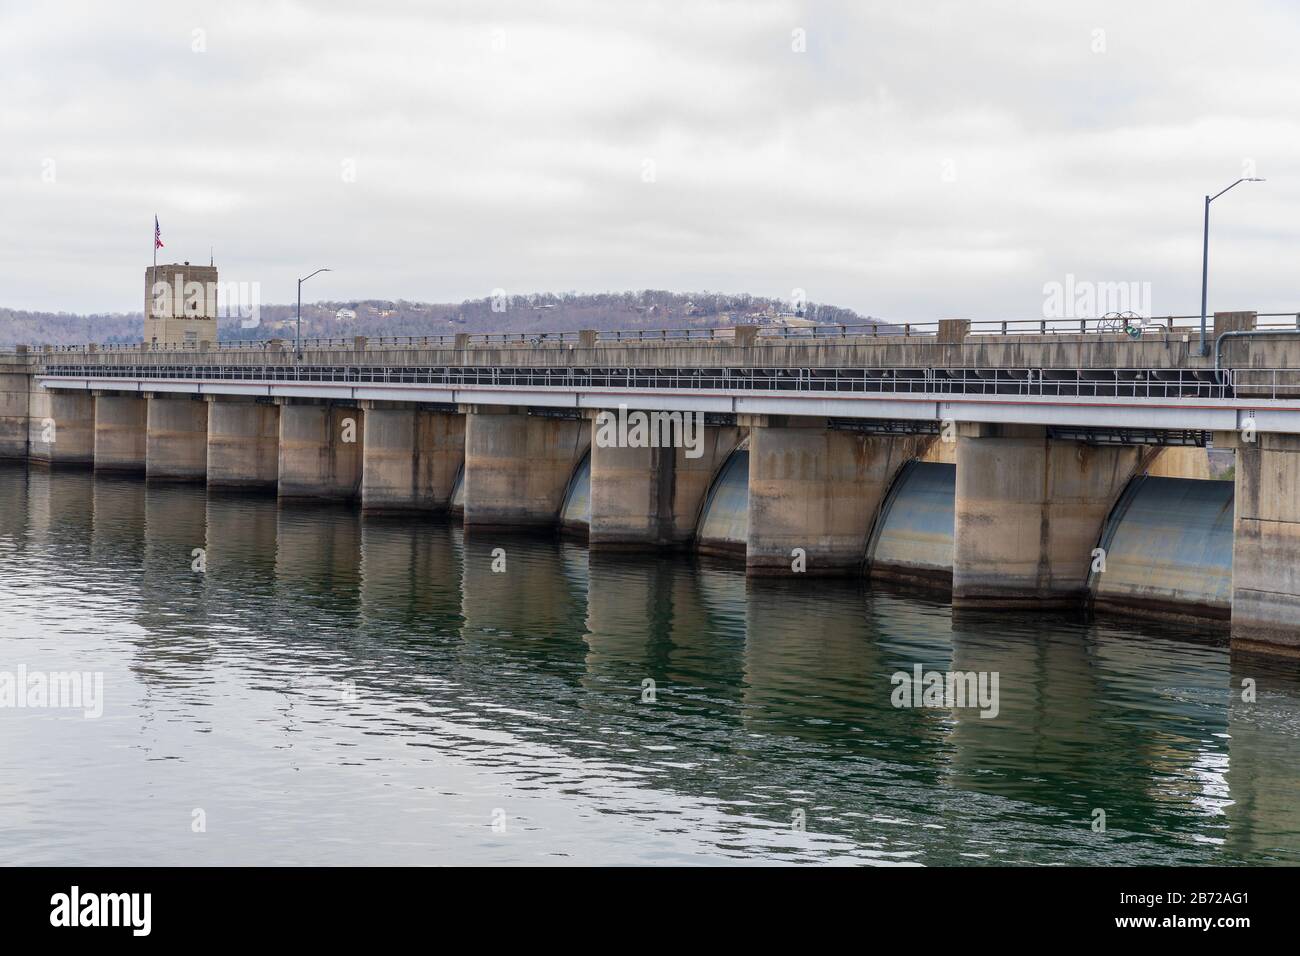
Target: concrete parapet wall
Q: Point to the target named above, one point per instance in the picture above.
(517, 466)
(176, 446)
(1029, 511)
(411, 458)
(243, 445)
(954, 349)
(819, 490)
(62, 428)
(320, 451)
(121, 433)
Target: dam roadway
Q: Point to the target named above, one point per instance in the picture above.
(1058, 467)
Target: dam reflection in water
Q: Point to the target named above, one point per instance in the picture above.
(339, 689)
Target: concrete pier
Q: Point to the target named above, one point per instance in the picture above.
(243, 444)
(62, 428)
(648, 498)
(631, 497)
(320, 451)
(518, 465)
(1028, 513)
(817, 489)
(411, 458)
(1266, 541)
(176, 447)
(121, 430)
(15, 386)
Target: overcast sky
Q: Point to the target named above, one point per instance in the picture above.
(909, 160)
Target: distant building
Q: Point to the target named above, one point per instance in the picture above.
(345, 315)
(180, 305)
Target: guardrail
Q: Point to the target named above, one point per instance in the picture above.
(1064, 383)
(1131, 326)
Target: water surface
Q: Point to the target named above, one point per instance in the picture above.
(332, 689)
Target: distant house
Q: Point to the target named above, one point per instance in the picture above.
(345, 315)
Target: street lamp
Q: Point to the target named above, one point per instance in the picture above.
(298, 333)
(1205, 252)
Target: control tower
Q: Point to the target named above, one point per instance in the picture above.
(180, 305)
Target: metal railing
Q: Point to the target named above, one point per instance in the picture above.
(1080, 383)
(1115, 325)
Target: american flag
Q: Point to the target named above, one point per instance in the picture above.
(157, 234)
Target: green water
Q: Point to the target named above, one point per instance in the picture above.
(333, 689)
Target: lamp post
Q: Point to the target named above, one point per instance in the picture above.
(1205, 252)
(298, 333)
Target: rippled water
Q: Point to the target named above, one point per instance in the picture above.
(340, 690)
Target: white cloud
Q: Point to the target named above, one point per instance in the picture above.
(920, 159)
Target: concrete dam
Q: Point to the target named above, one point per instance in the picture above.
(1168, 541)
(1062, 469)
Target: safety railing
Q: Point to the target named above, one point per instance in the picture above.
(1129, 325)
(1063, 383)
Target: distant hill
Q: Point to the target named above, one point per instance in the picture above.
(541, 312)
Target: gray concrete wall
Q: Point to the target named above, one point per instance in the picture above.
(411, 457)
(121, 429)
(1266, 543)
(819, 490)
(1029, 512)
(176, 446)
(62, 428)
(318, 462)
(517, 466)
(243, 445)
